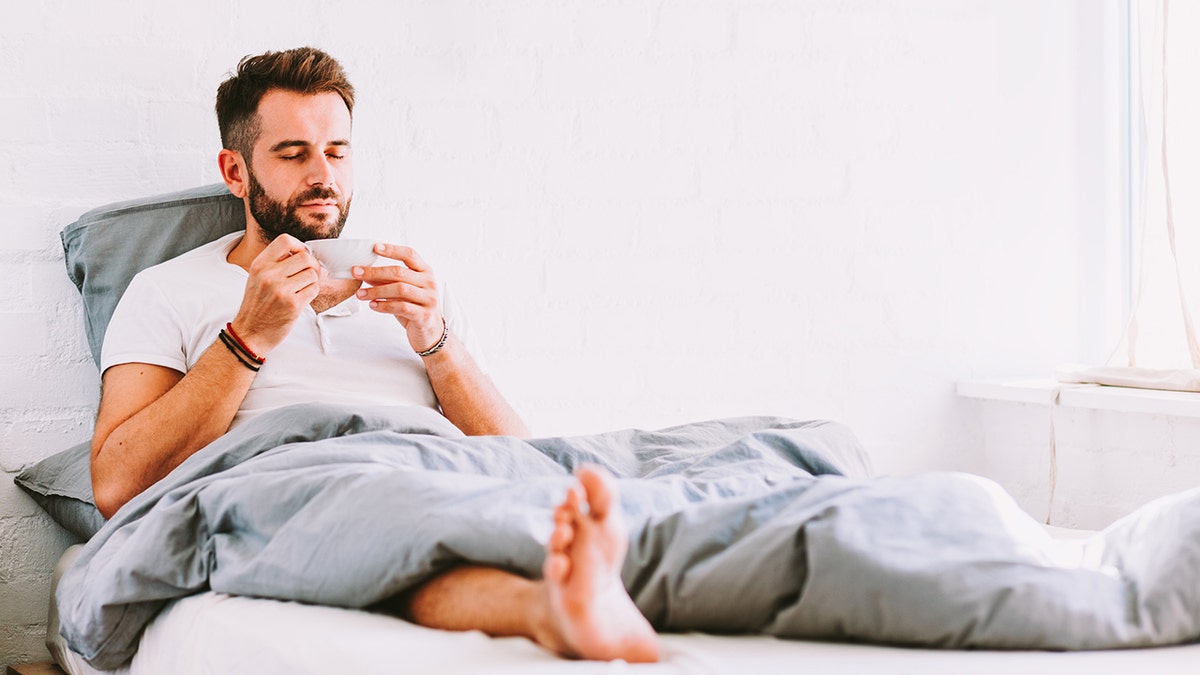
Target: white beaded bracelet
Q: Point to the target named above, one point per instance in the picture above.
(440, 343)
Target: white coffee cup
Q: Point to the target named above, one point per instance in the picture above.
(337, 256)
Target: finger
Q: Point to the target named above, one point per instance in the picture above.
(404, 311)
(399, 293)
(297, 263)
(392, 273)
(305, 280)
(405, 254)
(283, 246)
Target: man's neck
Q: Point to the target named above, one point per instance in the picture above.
(247, 249)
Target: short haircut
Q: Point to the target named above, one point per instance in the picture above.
(303, 70)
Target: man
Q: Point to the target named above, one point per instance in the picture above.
(252, 322)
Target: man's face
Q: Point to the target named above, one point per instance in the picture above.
(301, 177)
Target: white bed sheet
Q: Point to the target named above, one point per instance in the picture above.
(216, 633)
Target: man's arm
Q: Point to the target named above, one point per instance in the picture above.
(152, 418)
(468, 398)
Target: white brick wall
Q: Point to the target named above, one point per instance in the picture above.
(655, 211)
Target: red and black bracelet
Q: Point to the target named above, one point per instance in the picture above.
(242, 344)
(244, 354)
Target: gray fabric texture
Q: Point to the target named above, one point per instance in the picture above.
(62, 485)
(104, 249)
(740, 525)
(107, 246)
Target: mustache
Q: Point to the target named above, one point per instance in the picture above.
(317, 192)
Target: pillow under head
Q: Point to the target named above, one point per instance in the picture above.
(107, 246)
(104, 249)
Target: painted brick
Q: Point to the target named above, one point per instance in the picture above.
(684, 27)
(457, 26)
(23, 120)
(614, 27)
(28, 231)
(23, 643)
(37, 434)
(505, 78)
(191, 124)
(700, 130)
(95, 121)
(17, 281)
(535, 131)
(22, 334)
(619, 76)
(580, 229)
(454, 131)
(52, 284)
(649, 180)
(26, 602)
(776, 29)
(457, 181)
(626, 130)
(71, 384)
(32, 545)
(738, 182)
(104, 70)
(14, 502)
(777, 131)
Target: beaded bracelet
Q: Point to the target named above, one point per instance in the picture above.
(244, 356)
(242, 343)
(440, 343)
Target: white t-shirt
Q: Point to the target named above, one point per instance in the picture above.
(172, 312)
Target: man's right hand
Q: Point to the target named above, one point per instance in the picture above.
(284, 278)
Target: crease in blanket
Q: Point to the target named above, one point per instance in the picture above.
(742, 525)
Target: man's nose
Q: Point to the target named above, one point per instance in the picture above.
(320, 171)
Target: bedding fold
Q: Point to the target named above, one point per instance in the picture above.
(741, 525)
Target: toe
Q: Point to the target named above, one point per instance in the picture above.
(601, 489)
(561, 537)
(556, 568)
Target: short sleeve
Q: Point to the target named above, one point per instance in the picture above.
(145, 328)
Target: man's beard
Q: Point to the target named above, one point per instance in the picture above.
(276, 218)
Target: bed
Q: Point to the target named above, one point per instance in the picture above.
(962, 568)
(211, 632)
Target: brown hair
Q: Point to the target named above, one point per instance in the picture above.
(303, 70)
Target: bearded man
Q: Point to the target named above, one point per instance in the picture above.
(252, 322)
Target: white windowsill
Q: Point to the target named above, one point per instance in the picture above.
(1092, 396)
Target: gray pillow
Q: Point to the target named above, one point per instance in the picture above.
(104, 249)
(107, 246)
(62, 485)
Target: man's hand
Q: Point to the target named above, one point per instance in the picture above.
(284, 278)
(407, 291)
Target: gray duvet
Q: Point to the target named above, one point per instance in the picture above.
(742, 525)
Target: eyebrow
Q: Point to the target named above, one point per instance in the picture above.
(283, 145)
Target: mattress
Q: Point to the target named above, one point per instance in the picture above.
(216, 633)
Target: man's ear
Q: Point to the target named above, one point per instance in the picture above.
(234, 172)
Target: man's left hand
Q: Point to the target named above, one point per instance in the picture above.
(407, 291)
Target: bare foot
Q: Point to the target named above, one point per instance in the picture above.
(591, 616)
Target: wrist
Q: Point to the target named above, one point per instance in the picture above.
(248, 339)
(437, 344)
